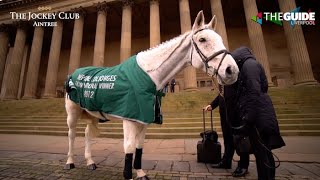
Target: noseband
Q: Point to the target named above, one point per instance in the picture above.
(206, 59)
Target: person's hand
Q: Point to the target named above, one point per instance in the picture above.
(208, 108)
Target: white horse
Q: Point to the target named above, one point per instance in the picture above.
(201, 47)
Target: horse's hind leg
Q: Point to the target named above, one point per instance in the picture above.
(74, 112)
(90, 132)
(137, 165)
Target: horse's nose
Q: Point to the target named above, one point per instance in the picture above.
(229, 71)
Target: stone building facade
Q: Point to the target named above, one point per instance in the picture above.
(35, 60)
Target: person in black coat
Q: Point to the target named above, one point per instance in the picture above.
(257, 116)
(226, 161)
(172, 84)
(226, 100)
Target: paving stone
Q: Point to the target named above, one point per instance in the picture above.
(197, 176)
(181, 166)
(10, 154)
(216, 170)
(148, 164)
(198, 167)
(294, 169)
(110, 161)
(175, 178)
(200, 178)
(151, 145)
(214, 177)
(117, 154)
(120, 164)
(252, 169)
(50, 166)
(282, 170)
(48, 156)
(301, 177)
(172, 172)
(159, 177)
(189, 157)
(98, 159)
(313, 168)
(166, 157)
(167, 177)
(164, 165)
(173, 150)
(168, 144)
(191, 178)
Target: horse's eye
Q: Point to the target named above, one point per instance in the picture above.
(202, 40)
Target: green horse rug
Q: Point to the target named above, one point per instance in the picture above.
(122, 91)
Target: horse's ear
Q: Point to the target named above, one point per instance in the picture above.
(199, 22)
(213, 23)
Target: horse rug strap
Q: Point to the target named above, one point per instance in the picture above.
(123, 91)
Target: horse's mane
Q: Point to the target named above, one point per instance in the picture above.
(153, 57)
(163, 43)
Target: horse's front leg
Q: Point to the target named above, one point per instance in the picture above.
(129, 138)
(137, 165)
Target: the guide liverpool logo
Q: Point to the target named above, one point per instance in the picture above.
(294, 17)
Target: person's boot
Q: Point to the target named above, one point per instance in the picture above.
(240, 172)
(222, 165)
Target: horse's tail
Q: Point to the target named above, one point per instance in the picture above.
(92, 128)
(69, 85)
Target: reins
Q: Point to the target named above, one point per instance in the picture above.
(226, 109)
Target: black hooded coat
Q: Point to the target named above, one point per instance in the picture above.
(254, 105)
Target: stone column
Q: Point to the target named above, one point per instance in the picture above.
(6, 74)
(154, 23)
(4, 47)
(53, 62)
(100, 40)
(216, 9)
(14, 69)
(297, 47)
(189, 73)
(22, 81)
(256, 37)
(75, 53)
(34, 64)
(125, 47)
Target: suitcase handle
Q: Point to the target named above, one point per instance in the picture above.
(204, 120)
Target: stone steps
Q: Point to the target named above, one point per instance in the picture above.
(152, 129)
(167, 123)
(297, 112)
(167, 116)
(153, 135)
(167, 109)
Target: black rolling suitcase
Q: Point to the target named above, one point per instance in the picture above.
(208, 149)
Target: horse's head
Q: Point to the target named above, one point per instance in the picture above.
(209, 53)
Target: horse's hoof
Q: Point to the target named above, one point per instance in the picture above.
(69, 166)
(103, 120)
(143, 178)
(92, 167)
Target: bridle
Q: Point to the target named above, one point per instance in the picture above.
(206, 59)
